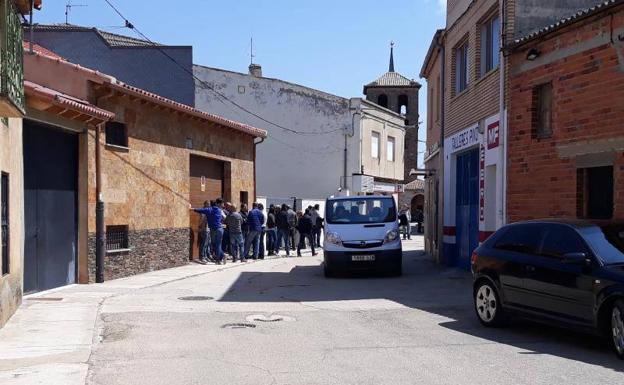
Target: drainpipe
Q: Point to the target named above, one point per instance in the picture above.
(100, 233)
(502, 118)
(441, 153)
(30, 27)
(254, 167)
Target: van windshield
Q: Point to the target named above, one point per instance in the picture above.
(360, 210)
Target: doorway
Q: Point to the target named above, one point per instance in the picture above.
(467, 206)
(206, 184)
(50, 206)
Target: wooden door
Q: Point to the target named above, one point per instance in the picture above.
(206, 183)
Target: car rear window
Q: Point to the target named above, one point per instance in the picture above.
(520, 238)
(608, 242)
(361, 210)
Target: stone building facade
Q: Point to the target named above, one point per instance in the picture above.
(158, 157)
(566, 119)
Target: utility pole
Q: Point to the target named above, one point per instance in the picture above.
(68, 8)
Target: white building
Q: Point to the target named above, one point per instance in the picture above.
(317, 141)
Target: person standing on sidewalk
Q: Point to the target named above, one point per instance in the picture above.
(283, 230)
(255, 218)
(234, 223)
(305, 232)
(261, 249)
(314, 215)
(271, 231)
(204, 236)
(292, 225)
(214, 215)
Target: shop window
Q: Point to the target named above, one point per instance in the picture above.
(116, 134)
(117, 238)
(595, 192)
(4, 192)
(461, 67)
(542, 110)
(375, 145)
(490, 41)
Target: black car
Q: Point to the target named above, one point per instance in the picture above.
(557, 271)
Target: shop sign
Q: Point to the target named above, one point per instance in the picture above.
(493, 135)
(482, 184)
(465, 139)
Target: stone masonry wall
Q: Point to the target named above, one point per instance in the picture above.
(587, 75)
(147, 185)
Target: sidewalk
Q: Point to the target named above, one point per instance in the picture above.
(34, 351)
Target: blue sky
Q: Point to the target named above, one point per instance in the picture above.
(333, 45)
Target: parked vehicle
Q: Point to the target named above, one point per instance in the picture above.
(362, 233)
(562, 272)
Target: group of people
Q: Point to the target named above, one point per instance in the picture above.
(239, 232)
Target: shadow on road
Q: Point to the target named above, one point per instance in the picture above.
(425, 286)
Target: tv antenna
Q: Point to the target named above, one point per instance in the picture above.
(251, 54)
(68, 8)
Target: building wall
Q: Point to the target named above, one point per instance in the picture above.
(586, 68)
(147, 186)
(307, 163)
(144, 67)
(11, 162)
(534, 14)
(410, 147)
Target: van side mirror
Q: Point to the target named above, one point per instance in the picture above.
(575, 258)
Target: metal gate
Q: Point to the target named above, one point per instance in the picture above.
(50, 205)
(467, 206)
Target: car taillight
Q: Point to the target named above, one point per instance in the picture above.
(473, 258)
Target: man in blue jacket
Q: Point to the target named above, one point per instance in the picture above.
(255, 220)
(215, 222)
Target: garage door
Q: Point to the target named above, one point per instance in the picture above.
(206, 183)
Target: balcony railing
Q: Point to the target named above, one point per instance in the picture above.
(12, 102)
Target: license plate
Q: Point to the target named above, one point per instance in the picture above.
(362, 258)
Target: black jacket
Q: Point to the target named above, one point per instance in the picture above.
(270, 221)
(281, 220)
(305, 225)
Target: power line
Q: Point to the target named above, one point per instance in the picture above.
(208, 85)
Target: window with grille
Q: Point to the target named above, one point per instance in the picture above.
(116, 134)
(490, 41)
(117, 237)
(4, 192)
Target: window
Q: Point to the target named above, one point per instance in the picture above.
(521, 239)
(382, 100)
(438, 101)
(117, 238)
(542, 109)
(561, 240)
(430, 109)
(375, 145)
(390, 149)
(595, 192)
(403, 103)
(361, 210)
(4, 192)
(461, 68)
(116, 134)
(490, 41)
(607, 241)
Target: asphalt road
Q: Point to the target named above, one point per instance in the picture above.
(417, 329)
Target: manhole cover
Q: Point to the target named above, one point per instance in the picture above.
(46, 299)
(269, 318)
(196, 298)
(238, 326)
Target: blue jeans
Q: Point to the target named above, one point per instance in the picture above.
(271, 240)
(285, 234)
(253, 237)
(237, 246)
(216, 236)
(204, 246)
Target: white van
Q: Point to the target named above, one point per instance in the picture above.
(362, 233)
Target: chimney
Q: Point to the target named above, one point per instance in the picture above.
(255, 70)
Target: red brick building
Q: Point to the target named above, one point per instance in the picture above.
(566, 118)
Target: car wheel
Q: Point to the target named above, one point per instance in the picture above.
(487, 305)
(617, 328)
